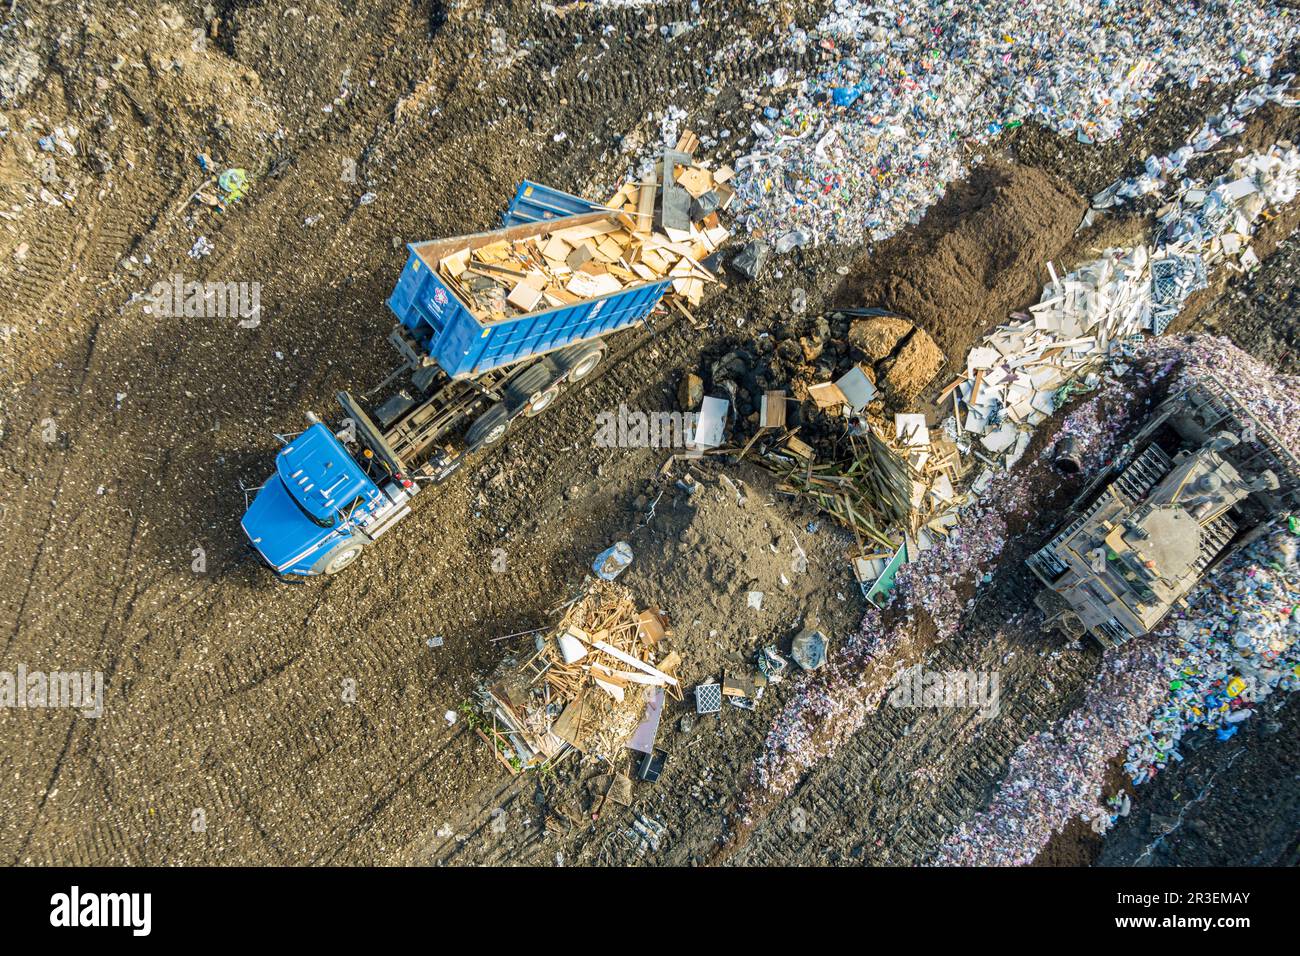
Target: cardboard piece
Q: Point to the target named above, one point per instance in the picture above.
(710, 423)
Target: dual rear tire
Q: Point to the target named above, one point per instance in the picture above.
(534, 391)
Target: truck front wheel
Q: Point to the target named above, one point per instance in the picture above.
(341, 557)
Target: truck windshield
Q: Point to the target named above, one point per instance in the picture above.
(323, 522)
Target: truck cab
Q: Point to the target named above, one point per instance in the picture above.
(320, 509)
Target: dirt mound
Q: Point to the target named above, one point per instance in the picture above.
(978, 255)
(911, 369)
(705, 553)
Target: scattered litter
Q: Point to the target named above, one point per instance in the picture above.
(613, 561)
(772, 665)
(710, 423)
(1159, 171)
(645, 834)
(708, 698)
(233, 184)
(752, 259)
(809, 649)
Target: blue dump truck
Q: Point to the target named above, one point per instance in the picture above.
(472, 364)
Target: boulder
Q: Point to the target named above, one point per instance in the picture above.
(690, 391)
(878, 336)
(909, 372)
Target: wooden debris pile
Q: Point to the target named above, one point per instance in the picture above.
(894, 482)
(867, 491)
(661, 227)
(586, 686)
(935, 469)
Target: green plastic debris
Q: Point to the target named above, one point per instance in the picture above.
(234, 183)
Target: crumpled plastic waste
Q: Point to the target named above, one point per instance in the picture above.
(907, 94)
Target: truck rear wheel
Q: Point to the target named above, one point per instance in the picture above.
(543, 401)
(489, 428)
(534, 389)
(581, 360)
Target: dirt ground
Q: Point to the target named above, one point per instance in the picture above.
(1205, 811)
(228, 735)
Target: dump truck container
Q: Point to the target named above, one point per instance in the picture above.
(465, 345)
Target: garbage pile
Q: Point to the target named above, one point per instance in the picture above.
(1159, 171)
(593, 682)
(1216, 221)
(1012, 379)
(919, 88)
(665, 226)
(1234, 646)
(1024, 370)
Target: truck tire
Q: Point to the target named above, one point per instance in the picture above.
(543, 401)
(342, 555)
(489, 428)
(581, 360)
(533, 389)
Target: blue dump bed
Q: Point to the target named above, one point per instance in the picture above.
(465, 346)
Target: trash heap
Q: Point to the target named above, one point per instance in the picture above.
(918, 88)
(1235, 645)
(665, 226)
(1148, 694)
(935, 470)
(1216, 221)
(1024, 370)
(591, 683)
(1159, 171)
